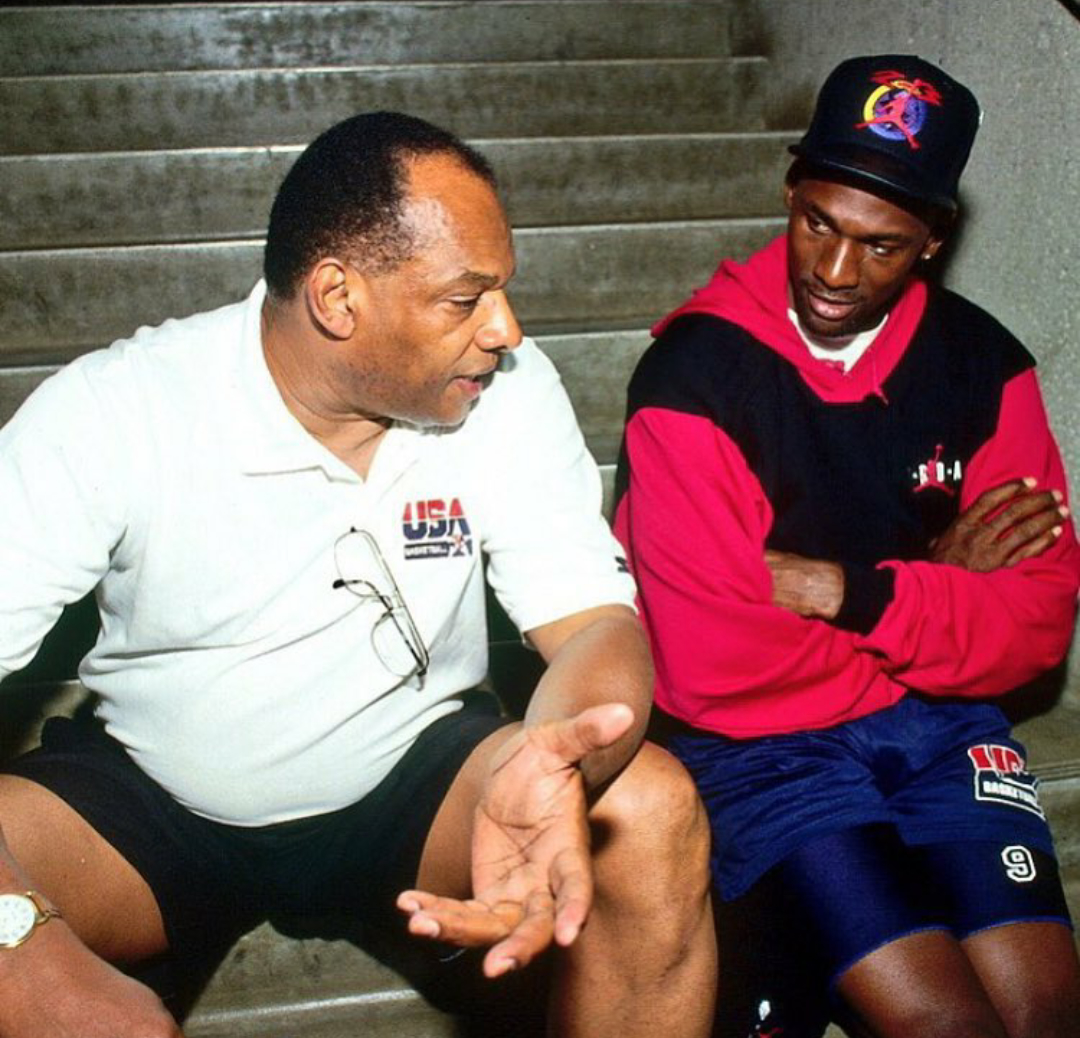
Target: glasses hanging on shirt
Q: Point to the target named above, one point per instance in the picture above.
(363, 572)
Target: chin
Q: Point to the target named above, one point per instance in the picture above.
(440, 421)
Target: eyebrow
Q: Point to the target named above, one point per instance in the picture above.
(897, 238)
(474, 278)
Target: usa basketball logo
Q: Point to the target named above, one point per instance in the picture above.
(897, 109)
(1001, 777)
(436, 529)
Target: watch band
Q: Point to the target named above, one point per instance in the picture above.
(43, 912)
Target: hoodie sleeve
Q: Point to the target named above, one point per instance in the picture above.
(694, 518)
(952, 632)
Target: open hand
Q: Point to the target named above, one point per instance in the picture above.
(531, 863)
(1001, 527)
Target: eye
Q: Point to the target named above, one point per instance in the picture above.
(816, 224)
(884, 251)
(466, 304)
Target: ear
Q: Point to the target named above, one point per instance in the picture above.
(930, 249)
(331, 292)
(789, 194)
(938, 233)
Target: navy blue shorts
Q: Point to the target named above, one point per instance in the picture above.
(212, 881)
(919, 816)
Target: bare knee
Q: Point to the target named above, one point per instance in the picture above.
(652, 819)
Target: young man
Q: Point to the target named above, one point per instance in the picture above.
(282, 507)
(846, 516)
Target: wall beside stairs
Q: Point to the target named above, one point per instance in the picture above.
(1018, 253)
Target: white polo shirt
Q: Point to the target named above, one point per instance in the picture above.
(167, 473)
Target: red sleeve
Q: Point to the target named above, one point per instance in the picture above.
(951, 632)
(693, 519)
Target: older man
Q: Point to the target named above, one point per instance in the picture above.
(282, 507)
(847, 517)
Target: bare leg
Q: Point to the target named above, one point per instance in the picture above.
(645, 963)
(920, 985)
(1033, 977)
(57, 983)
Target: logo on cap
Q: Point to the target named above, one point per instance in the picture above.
(897, 109)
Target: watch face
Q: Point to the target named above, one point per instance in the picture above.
(17, 918)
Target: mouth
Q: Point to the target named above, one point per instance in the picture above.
(473, 384)
(829, 308)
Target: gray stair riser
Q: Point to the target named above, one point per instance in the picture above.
(191, 110)
(56, 304)
(224, 36)
(207, 195)
(595, 369)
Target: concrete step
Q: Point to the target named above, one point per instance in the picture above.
(57, 303)
(214, 194)
(153, 110)
(39, 40)
(277, 987)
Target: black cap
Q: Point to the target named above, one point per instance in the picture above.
(897, 122)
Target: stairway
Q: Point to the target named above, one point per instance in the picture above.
(141, 148)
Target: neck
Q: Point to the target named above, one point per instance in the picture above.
(289, 355)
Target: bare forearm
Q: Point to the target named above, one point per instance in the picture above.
(810, 587)
(605, 660)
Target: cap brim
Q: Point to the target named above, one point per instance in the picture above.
(875, 169)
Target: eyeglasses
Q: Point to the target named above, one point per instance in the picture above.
(395, 636)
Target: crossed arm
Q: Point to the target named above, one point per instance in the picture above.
(1003, 526)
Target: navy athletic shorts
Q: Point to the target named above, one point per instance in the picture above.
(212, 881)
(921, 816)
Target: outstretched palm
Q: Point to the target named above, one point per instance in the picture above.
(531, 869)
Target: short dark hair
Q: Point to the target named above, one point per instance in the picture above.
(344, 196)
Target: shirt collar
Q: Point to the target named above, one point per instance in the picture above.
(272, 441)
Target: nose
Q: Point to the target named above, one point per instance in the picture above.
(500, 330)
(838, 263)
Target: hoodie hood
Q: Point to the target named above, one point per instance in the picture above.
(754, 295)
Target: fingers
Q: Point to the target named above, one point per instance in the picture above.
(468, 924)
(1028, 526)
(517, 932)
(1029, 518)
(528, 939)
(1035, 547)
(1002, 527)
(1046, 503)
(572, 882)
(989, 501)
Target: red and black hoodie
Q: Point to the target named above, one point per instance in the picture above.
(739, 440)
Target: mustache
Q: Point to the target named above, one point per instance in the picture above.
(837, 298)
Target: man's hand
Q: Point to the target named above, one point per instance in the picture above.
(531, 865)
(1003, 526)
(809, 587)
(54, 986)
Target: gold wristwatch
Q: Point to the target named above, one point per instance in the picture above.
(21, 915)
